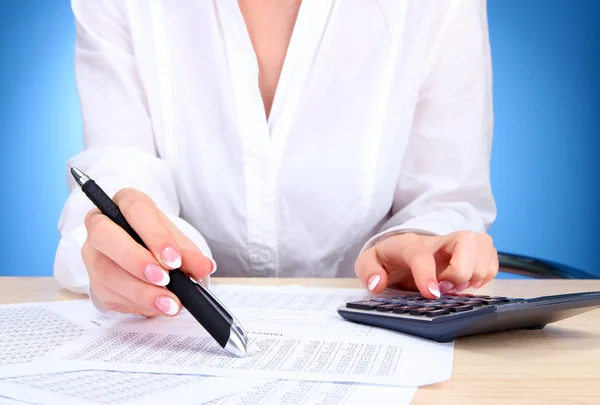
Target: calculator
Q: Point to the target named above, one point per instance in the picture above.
(455, 315)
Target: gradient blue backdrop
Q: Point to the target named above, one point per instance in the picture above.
(545, 168)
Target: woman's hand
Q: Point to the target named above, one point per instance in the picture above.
(125, 276)
(431, 264)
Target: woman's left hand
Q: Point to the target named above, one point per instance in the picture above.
(431, 264)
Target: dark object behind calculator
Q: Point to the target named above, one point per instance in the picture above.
(455, 315)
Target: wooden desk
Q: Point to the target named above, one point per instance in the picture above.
(557, 365)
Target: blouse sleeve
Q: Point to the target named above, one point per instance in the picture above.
(119, 147)
(444, 183)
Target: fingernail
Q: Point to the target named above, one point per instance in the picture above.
(434, 289)
(463, 287)
(214, 266)
(156, 275)
(445, 286)
(478, 284)
(166, 305)
(171, 258)
(373, 281)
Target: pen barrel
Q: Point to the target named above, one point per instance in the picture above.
(200, 307)
(109, 208)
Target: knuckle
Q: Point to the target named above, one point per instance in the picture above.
(131, 200)
(96, 225)
(144, 296)
(86, 252)
(410, 238)
(470, 238)
(90, 217)
(126, 192)
(91, 258)
(421, 260)
(486, 239)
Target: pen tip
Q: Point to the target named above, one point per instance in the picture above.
(80, 177)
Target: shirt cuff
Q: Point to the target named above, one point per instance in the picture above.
(431, 225)
(396, 230)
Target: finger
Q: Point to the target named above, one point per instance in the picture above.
(112, 241)
(194, 262)
(463, 249)
(493, 267)
(483, 260)
(144, 217)
(408, 251)
(369, 271)
(116, 302)
(422, 265)
(145, 296)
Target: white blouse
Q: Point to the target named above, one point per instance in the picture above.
(382, 122)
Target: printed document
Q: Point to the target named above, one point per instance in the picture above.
(308, 343)
(318, 393)
(109, 387)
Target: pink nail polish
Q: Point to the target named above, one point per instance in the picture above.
(434, 289)
(446, 286)
(166, 305)
(373, 281)
(156, 275)
(478, 284)
(463, 287)
(170, 257)
(214, 266)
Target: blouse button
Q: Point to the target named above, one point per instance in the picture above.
(264, 256)
(262, 171)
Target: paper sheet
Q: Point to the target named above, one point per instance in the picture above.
(318, 393)
(28, 331)
(338, 351)
(109, 387)
(10, 401)
(288, 298)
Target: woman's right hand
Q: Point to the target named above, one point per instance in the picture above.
(125, 276)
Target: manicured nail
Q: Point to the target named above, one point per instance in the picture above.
(166, 305)
(478, 284)
(434, 289)
(445, 286)
(170, 257)
(373, 281)
(156, 275)
(214, 266)
(463, 287)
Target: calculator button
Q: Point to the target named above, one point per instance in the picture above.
(448, 305)
(428, 302)
(385, 307)
(475, 302)
(437, 312)
(362, 304)
(403, 309)
(421, 310)
(461, 308)
(493, 301)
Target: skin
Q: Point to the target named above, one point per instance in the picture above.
(125, 277)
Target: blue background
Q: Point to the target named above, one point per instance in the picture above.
(545, 165)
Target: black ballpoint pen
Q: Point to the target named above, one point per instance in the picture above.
(200, 302)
